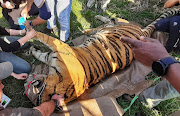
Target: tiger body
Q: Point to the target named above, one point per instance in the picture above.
(74, 69)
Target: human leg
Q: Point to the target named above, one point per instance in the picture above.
(51, 23)
(19, 65)
(63, 13)
(174, 27)
(160, 92)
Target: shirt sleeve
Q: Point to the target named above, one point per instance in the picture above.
(3, 31)
(14, 46)
(44, 12)
(6, 68)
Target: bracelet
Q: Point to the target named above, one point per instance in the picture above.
(20, 32)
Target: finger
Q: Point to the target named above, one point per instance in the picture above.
(147, 39)
(134, 43)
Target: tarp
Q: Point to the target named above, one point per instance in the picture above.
(101, 99)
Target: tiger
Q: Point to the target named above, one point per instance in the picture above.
(73, 69)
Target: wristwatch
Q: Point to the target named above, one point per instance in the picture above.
(161, 66)
(31, 24)
(57, 107)
(56, 102)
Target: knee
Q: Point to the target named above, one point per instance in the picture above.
(175, 23)
(25, 68)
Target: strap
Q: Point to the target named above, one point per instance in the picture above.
(132, 101)
(136, 97)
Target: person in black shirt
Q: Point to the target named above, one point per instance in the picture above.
(10, 44)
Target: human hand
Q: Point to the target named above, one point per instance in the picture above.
(8, 5)
(21, 76)
(26, 23)
(59, 98)
(23, 31)
(146, 50)
(170, 3)
(31, 33)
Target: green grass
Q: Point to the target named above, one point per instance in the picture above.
(143, 12)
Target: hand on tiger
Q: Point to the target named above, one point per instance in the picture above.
(171, 3)
(59, 98)
(31, 33)
(146, 50)
(21, 76)
(27, 24)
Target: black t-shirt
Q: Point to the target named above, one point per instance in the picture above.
(14, 46)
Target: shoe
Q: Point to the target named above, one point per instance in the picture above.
(55, 31)
(46, 31)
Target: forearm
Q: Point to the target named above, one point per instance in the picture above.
(173, 76)
(38, 21)
(46, 108)
(29, 4)
(24, 39)
(16, 32)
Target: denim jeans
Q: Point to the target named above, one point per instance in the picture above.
(172, 26)
(19, 65)
(60, 9)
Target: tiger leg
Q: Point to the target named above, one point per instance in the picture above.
(43, 57)
(53, 43)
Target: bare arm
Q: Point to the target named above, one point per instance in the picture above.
(47, 108)
(147, 50)
(27, 8)
(173, 76)
(16, 32)
(29, 34)
(36, 21)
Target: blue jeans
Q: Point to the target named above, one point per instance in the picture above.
(172, 26)
(61, 9)
(19, 65)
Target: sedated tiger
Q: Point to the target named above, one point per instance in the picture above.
(72, 70)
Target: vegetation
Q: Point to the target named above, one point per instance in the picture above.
(139, 11)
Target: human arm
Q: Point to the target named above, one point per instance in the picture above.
(5, 31)
(7, 4)
(148, 50)
(27, 8)
(14, 46)
(171, 3)
(44, 14)
(47, 108)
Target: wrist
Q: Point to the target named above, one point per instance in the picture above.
(31, 23)
(161, 66)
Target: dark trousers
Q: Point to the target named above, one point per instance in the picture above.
(12, 15)
(171, 25)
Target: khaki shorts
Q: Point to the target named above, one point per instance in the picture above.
(20, 112)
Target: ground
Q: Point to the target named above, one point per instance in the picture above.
(139, 11)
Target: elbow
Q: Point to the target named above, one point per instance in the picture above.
(45, 16)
